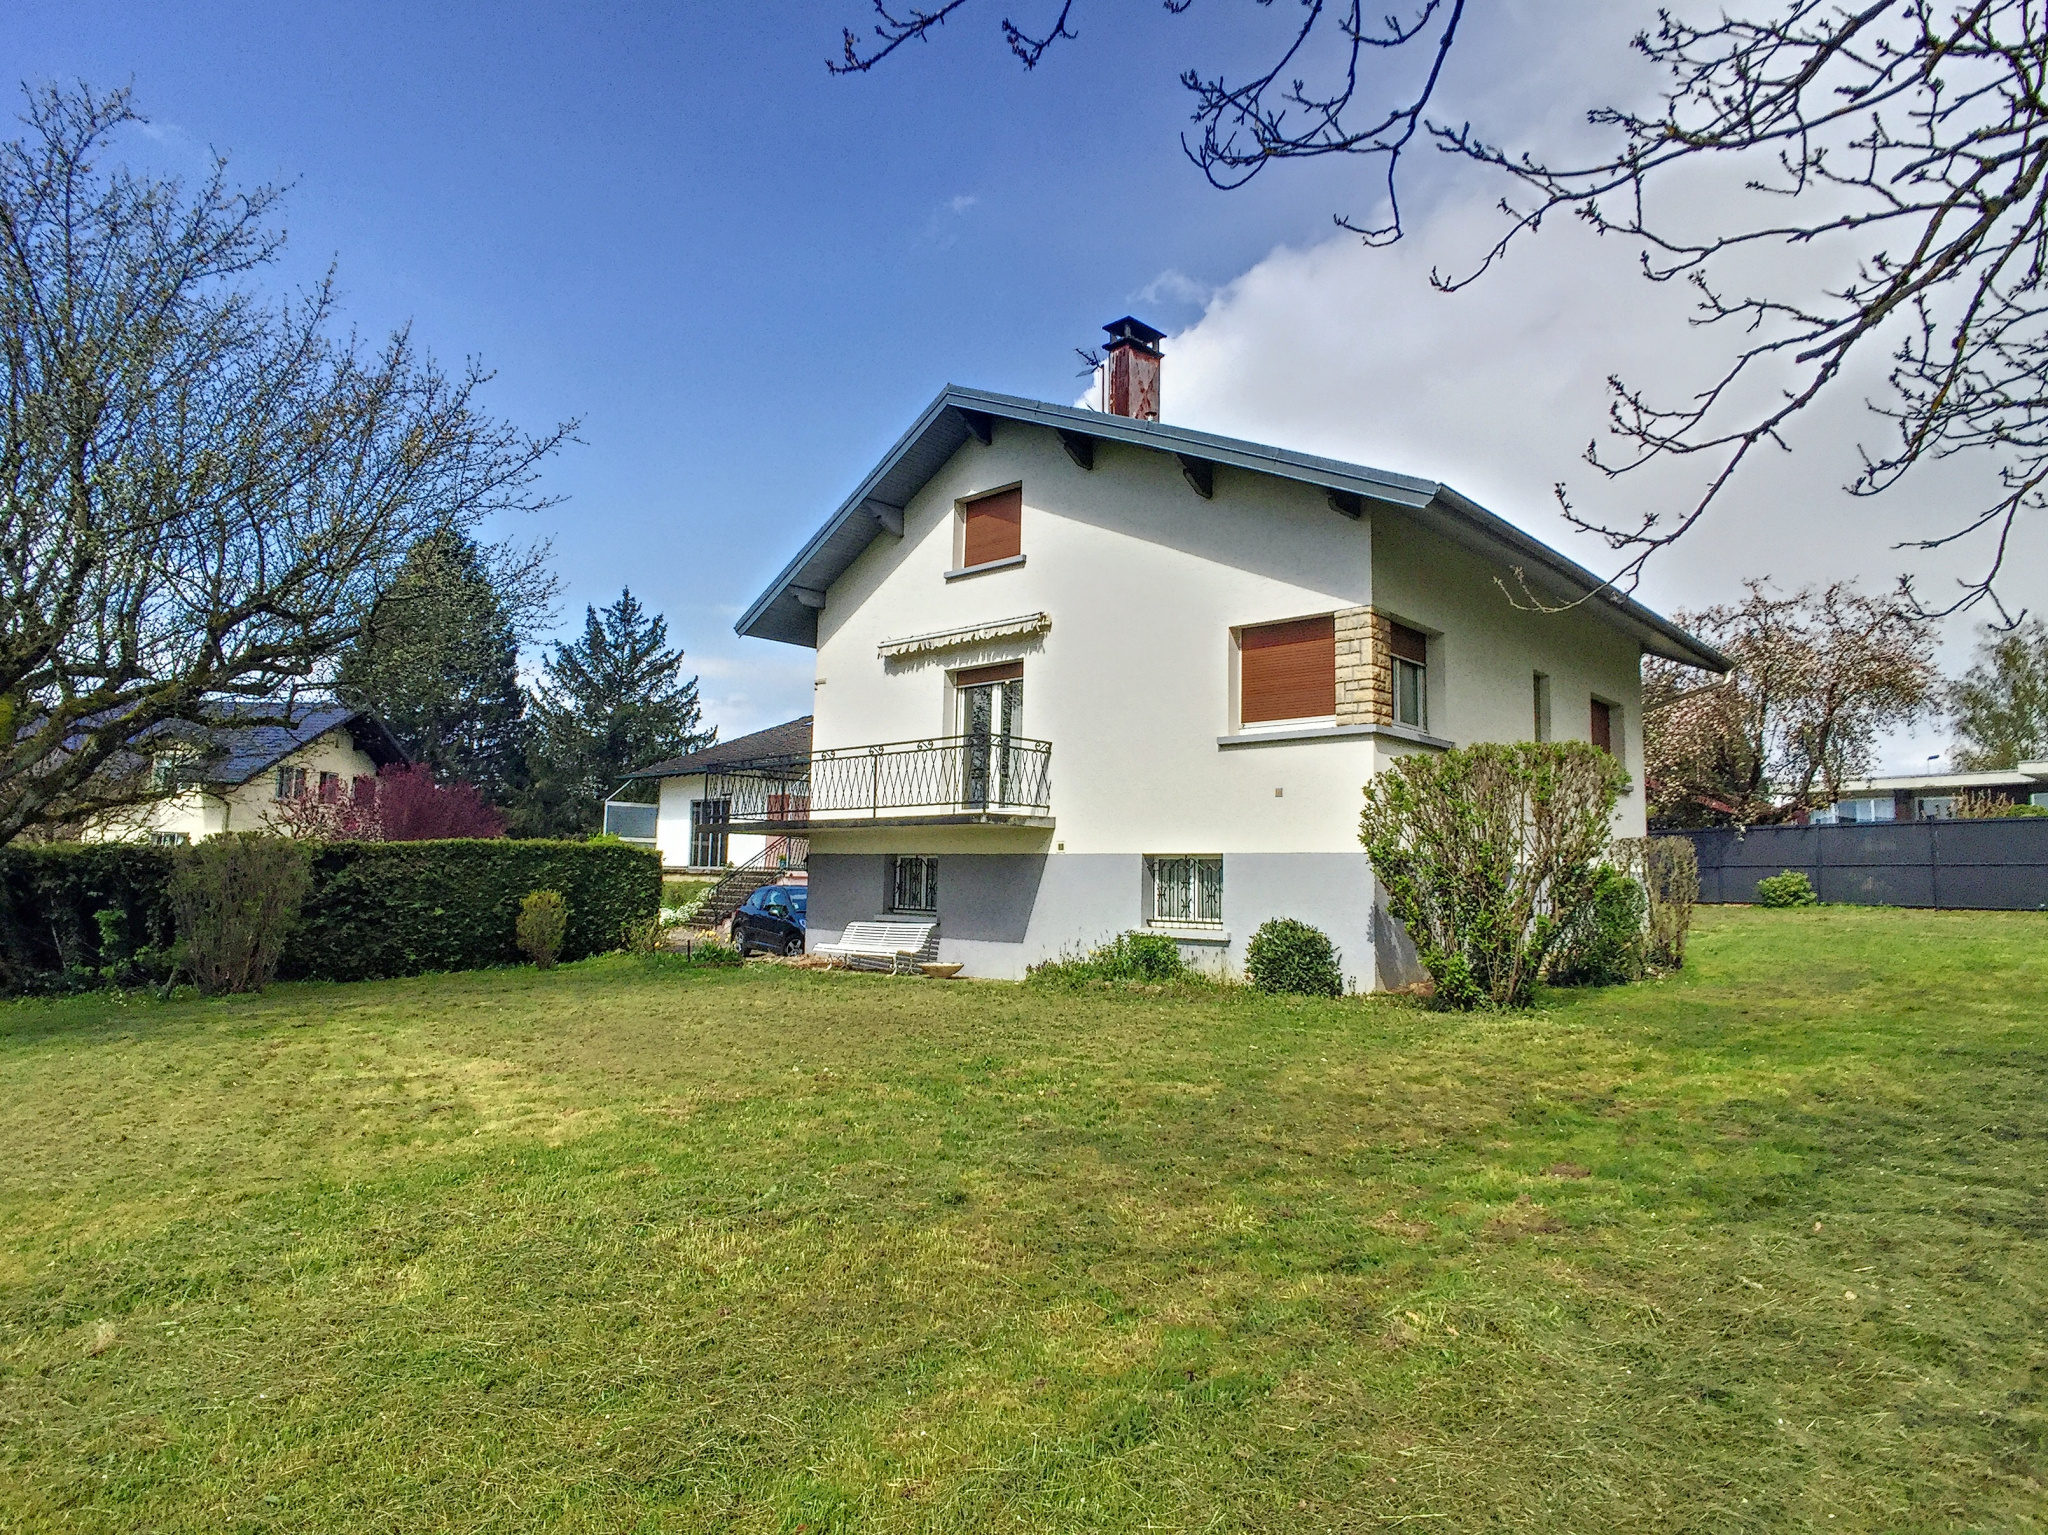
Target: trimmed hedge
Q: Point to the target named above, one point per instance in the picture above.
(399, 908)
(375, 910)
(51, 934)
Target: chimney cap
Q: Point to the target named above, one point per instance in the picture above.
(1132, 329)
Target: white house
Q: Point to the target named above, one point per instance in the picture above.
(1932, 796)
(688, 822)
(234, 776)
(1080, 672)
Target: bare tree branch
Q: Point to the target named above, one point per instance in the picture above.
(1913, 133)
(200, 494)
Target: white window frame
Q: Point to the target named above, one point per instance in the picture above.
(291, 783)
(1182, 882)
(923, 883)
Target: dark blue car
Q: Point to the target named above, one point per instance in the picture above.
(772, 920)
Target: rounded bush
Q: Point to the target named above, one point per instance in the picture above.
(1292, 957)
(541, 925)
(1606, 945)
(1788, 889)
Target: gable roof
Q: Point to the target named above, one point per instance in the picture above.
(791, 739)
(779, 614)
(236, 752)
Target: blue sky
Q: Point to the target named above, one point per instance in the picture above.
(742, 274)
(745, 276)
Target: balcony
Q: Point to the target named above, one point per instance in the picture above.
(975, 780)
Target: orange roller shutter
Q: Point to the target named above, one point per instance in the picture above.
(1289, 671)
(995, 527)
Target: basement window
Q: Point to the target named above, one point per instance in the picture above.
(1184, 892)
(914, 885)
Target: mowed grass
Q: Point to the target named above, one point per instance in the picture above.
(621, 1248)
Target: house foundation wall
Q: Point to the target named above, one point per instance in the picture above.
(1000, 913)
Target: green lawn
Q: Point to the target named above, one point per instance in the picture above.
(624, 1248)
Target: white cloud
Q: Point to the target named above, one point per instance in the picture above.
(1498, 390)
(1174, 287)
(942, 228)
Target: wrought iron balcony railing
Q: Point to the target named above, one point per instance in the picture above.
(974, 777)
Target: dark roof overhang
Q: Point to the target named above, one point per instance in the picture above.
(788, 609)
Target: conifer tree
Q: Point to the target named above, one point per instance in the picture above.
(438, 660)
(614, 700)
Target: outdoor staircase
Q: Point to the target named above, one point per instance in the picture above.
(730, 893)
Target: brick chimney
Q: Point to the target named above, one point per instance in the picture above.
(1132, 363)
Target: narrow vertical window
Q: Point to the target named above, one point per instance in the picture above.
(1540, 729)
(993, 527)
(1288, 671)
(1603, 725)
(1410, 649)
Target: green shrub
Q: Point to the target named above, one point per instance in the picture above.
(642, 935)
(375, 909)
(543, 920)
(1788, 889)
(236, 899)
(1669, 868)
(1289, 956)
(1488, 854)
(1607, 944)
(1127, 957)
(705, 953)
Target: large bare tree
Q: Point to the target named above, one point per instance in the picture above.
(1819, 676)
(1912, 135)
(201, 490)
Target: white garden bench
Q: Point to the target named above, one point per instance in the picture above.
(873, 945)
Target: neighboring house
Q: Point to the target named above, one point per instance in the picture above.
(1932, 796)
(236, 774)
(689, 823)
(1080, 672)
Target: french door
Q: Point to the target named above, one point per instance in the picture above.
(991, 713)
(708, 818)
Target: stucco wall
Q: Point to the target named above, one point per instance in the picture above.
(1486, 649)
(1000, 913)
(1133, 683)
(672, 825)
(253, 806)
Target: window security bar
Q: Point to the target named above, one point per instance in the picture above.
(1006, 774)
